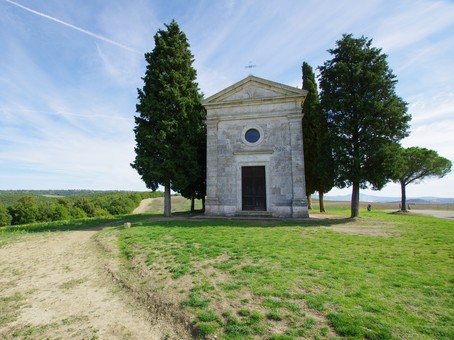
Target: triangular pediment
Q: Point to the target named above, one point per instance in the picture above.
(254, 88)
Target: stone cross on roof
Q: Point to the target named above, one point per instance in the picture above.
(250, 66)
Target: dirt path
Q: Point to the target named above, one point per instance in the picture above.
(436, 213)
(144, 206)
(60, 290)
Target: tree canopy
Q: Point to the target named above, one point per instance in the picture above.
(414, 164)
(5, 217)
(31, 208)
(170, 124)
(318, 165)
(366, 119)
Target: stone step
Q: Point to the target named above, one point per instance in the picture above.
(253, 213)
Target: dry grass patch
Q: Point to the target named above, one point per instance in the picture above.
(381, 230)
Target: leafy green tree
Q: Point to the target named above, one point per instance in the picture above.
(120, 205)
(85, 205)
(60, 212)
(5, 217)
(64, 201)
(63, 208)
(45, 211)
(101, 212)
(25, 210)
(136, 198)
(318, 165)
(48, 211)
(366, 119)
(77, 212)
(415, 164)
(170, 117)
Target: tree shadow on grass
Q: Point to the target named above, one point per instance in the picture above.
(187, 220)
(197, 221)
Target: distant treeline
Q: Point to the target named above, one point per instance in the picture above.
(57, 192)
(22, 207)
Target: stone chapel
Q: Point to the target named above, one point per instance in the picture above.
(255, 162)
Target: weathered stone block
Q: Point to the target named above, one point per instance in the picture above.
(255, 124)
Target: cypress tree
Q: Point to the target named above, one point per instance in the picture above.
(366, 119)
(317, 152)
(170, 122)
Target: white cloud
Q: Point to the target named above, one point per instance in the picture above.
(275, 38)
(428, 108)
(49, 146)
(412, 22)
(60, 136)
(84, 31)
(135, 23)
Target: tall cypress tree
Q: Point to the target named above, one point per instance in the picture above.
(366, 119)
(192, 182)
(170, 122)
(317, 151)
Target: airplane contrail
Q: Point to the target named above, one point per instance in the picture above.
(94, 35)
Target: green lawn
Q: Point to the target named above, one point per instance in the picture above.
(381, 276)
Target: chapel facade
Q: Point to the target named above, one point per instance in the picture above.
(255, 162)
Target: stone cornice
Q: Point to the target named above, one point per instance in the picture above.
(290, 114)
(253, 102)
(253, 152)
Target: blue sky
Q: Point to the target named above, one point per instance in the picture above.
(70, 71)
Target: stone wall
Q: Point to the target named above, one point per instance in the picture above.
(275, 111)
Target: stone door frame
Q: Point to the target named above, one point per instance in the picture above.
(254, 180)
(264, 161)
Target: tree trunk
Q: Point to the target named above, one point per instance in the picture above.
(403, 201)
(167, 201)
(192, 201)
(309, 201)
(355, 200)
(203, 203)
(321, 202)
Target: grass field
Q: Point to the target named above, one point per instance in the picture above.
(380, 276)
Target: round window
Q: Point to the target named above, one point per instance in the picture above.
(252, 135)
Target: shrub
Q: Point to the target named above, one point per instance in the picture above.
(87, 206)
(25, 210)
(5, 217)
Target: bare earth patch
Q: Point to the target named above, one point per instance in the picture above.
(381, 230)
(63, 291)
(435, 213)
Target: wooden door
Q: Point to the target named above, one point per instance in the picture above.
(253, 188)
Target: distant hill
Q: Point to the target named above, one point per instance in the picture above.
(10, 197)
(50, 192)
(371, 198)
